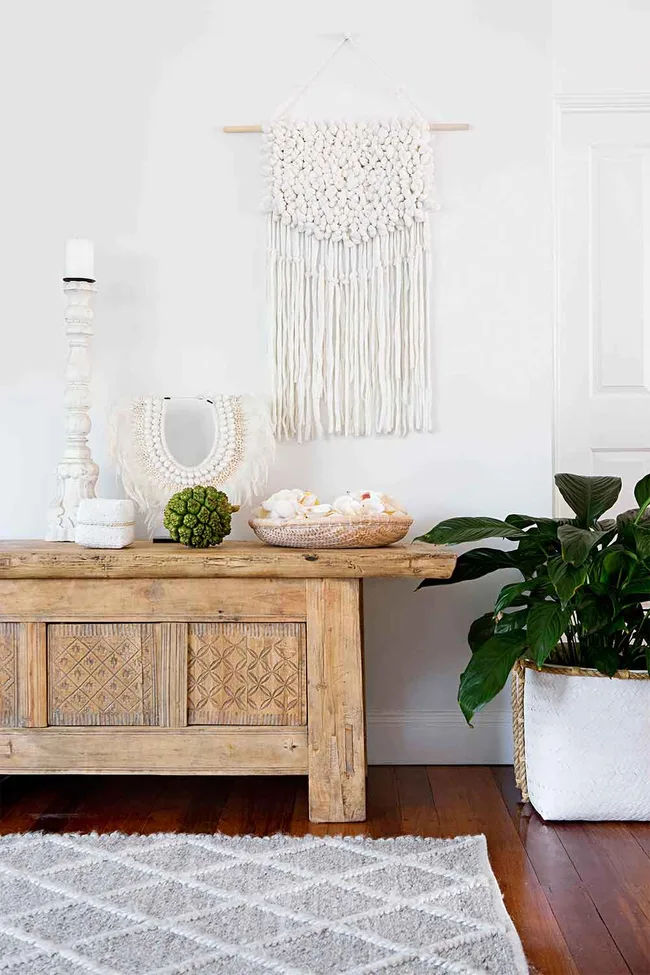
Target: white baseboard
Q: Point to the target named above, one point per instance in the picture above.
(438, 738)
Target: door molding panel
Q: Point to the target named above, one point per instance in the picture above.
(601, 330)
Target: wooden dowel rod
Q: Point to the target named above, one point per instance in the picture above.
(449, 126)
(433, 126)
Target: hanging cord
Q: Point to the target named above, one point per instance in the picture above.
(399, 89)
(292, 99)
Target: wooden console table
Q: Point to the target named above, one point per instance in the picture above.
(240, 659)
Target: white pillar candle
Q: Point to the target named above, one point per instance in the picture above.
(79, 259)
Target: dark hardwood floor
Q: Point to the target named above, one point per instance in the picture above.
(579, 893)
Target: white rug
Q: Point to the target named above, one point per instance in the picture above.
(216, 905)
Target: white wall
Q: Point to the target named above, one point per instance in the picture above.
(110, 113)
(601, 45)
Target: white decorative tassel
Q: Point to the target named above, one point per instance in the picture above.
(348, 272)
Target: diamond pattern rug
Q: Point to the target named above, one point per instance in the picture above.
(176, 904)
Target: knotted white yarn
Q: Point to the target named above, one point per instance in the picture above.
(349, 272)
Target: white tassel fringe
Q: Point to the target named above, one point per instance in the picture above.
(350, 331)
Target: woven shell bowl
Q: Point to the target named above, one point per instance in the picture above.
(334, 532)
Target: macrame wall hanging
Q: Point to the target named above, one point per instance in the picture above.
(237, 462)
(349, 273)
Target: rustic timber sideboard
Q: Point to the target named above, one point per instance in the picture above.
(240, 659)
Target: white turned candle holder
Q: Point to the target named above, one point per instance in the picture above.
(77, 472)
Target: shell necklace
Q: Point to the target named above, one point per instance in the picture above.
(157, 460)
(241, 451)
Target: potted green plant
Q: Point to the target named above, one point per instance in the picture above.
(577, 614)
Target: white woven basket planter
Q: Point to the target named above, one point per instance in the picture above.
(582, 742)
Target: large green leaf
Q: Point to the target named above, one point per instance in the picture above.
(642, 540)
(480, 631)
(617, 625)
(472, 565)
(605, 659)
(548, 526)
(488, 670)
(533, 541)
(617, 566)
(511, 621)
(487, 625)
(577, 543)
(547, 622)
(532, 551)
(511, 595)
(453, 531)
(642, 491)
(627, 519)
(594, 612)
(566, 578)
(589, 497)
(638, 585)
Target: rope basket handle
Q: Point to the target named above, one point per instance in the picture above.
(517, 693)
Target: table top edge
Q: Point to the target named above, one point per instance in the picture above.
(25, 558)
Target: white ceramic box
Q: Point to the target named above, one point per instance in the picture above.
(105, 523)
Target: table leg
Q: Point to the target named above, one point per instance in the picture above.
(335, 705)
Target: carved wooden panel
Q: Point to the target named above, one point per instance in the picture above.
(9, 642)
(247, 673)
(101, 674)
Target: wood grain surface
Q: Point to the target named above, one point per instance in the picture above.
(143, 560)
(130, 600)
(337, 760)
(173, 751)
